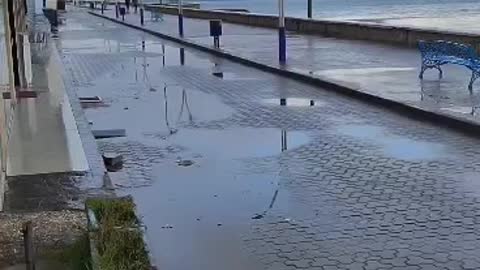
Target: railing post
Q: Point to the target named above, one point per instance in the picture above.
(180, 18)
(282, 39)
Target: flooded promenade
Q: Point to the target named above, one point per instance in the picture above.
(234, 168)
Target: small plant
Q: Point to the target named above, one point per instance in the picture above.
(118, 238)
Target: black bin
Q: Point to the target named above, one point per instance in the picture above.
(122, 11)
(215, 28)
(61, 5)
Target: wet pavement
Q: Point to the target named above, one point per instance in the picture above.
(240, 171)
(387, 71)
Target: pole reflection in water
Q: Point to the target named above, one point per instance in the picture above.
(136, 70)
(182, 56)
(184, 106)
(284, 140)
(163, 55)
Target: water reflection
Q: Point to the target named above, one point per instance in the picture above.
(182, 56)
(183, 107)
(433, 92)
(393, 145)
(284, 141)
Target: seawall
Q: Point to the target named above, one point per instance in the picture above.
(403, 36)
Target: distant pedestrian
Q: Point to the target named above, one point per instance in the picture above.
(135, 5)
(127, 4)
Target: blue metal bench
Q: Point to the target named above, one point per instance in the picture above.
(439, 52)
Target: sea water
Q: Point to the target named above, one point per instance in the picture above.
(356, 9)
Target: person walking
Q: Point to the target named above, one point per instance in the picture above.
(127, 4)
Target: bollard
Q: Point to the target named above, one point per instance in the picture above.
(180, 25)
(142, 20)
(102, 8)
(116, 10)
(28, 245)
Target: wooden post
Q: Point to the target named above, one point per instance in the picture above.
(28, 245)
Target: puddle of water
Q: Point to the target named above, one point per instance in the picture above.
(394, 145)
(163, 111)
(239, 142)
(207, 207)
(462, 110)
(215, 199)
(94, 45)
(175, 56)
(293, 102)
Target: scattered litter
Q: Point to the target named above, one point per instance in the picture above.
(90, 122)
(167, 226)
(109, 133)
(219, 224)
(89, 100)
(198, 219)
(185, 162)
(126, 108)
(153, 89)
(258, 216)
(215, 195)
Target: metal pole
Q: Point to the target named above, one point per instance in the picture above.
(116, 9)
(310, 9)
(142, 19)
(180, 18)
(282, 39)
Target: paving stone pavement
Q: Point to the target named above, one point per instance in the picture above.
(370, 189)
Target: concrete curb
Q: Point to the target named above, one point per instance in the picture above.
(449, 121)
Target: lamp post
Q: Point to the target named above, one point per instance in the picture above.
(282, 39)
(180, 18)
(310, 9)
